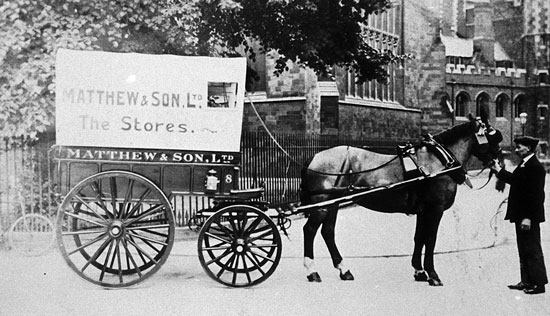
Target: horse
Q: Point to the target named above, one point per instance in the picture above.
(334, 172)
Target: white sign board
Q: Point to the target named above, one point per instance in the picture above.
(149, 101)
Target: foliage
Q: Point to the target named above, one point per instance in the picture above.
(315, 33)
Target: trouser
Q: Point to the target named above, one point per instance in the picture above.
(531, 258)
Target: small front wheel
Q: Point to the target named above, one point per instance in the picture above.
(239, 246)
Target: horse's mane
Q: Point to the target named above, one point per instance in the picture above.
(450, 136)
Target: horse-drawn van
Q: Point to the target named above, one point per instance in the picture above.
(145, 141)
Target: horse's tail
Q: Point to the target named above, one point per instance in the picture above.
(305, 195)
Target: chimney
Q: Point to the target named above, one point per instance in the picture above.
(484, 35)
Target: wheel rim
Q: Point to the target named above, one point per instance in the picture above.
(239, 246)
(115, 228)
(31, 235)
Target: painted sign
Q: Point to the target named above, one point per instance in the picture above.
(147, 155)
(129, 100)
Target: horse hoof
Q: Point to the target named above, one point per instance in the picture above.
(421, 276)
(434, 282)
(346, 276)
(314, 277)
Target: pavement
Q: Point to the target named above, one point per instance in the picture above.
(476, 258)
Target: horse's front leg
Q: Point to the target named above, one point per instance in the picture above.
(316, 217)
(432, 228)
(419, 242)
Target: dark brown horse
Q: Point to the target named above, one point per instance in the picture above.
(332, 172)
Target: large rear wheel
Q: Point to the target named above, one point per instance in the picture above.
(115, 228)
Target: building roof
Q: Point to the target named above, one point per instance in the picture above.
(459, 47)
(464, 47)
(500, 54)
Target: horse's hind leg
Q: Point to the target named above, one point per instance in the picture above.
(328, 233)
(315, 218)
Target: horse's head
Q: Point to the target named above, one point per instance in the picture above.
(487, 140)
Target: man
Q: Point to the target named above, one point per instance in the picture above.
(526, 211)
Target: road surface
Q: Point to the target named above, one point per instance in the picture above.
(476, 259)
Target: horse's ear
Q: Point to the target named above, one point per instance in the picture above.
(471, 117)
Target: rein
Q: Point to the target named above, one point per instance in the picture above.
(301, 164)
(488, 179)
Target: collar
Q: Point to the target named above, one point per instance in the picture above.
(527, 158)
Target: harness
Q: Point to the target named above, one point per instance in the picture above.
(408, 156)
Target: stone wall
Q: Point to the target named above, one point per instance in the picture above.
(289, 84)
(280, 116)
(378, 122)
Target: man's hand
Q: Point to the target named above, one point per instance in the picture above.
(525, 224)
(495, 166)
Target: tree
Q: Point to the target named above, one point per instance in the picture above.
(318, 34)
(315, 33)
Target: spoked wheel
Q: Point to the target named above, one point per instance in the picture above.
(115, 228)
(239, 246)
(31, 235)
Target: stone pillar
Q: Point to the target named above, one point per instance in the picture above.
(313, 103)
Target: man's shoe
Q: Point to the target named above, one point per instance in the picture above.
(520, 286)
(535, 289)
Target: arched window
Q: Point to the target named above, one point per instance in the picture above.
(482, 104)
(519, 105)
(462, 104)
(502, 102)
(543, 78)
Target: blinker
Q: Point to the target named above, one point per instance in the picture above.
(480, 136)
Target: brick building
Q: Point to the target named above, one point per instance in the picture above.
(467, 55)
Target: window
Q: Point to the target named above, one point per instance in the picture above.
(504, 64)
(502, 103)
(462, 104)
(222, 94)
(482, 105)
(519, 105)
(543, 78)
(457, 60)
(542, 109)
(381, 32)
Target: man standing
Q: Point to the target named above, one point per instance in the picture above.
(526, 211)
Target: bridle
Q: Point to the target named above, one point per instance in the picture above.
(487, 148)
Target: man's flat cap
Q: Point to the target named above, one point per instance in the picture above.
(528, 141)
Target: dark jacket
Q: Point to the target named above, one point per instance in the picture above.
(526, 197)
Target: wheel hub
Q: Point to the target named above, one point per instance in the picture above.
(239, 245)
(116, 229)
